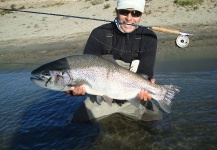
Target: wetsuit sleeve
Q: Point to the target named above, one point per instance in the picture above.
(94, 44)
(147, 56)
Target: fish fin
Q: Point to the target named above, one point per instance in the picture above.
(95, 98)
(148, 105)
(171, 91)
(108, 100)
(109, 58)
(152, 115)
(99, 99)
(135, 102)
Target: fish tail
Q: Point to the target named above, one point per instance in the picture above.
(170, 92)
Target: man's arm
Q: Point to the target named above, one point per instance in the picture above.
(147, 54)
(143, 94)
(94, 44)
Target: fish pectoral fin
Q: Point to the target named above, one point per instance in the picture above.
(72, 85)
(135, 102)
(95, 98)
(99, 99)
(108, 100)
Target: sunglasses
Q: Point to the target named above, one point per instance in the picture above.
(134, 13)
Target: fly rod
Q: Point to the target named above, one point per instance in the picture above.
(181, 41)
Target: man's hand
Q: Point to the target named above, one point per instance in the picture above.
(144, 95)
(80, 90)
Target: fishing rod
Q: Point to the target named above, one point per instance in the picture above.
(182, 40)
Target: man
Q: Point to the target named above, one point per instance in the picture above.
(132, 47)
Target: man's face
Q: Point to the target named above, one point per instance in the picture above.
(128, 16)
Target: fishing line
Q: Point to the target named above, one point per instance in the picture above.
(103, 20)
(182, 40)
(52, 14)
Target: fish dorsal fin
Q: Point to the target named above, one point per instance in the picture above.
(109, 58)
(108, 100)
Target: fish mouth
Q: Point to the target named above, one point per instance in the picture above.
(34, 78)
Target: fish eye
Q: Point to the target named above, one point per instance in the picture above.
(63, 73)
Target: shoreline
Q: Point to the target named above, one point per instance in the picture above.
(44, 50)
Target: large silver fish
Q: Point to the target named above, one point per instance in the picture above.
(100, 76)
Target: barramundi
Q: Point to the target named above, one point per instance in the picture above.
(101, 76)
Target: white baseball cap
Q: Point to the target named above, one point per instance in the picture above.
(133, 4)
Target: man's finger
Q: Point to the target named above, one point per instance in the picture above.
(83, 90)
(149, 97)
(145, 95)
(153, 80)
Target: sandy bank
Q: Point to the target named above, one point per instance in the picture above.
(33, 26)
(32, 38)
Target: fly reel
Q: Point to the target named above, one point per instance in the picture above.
(182, 41)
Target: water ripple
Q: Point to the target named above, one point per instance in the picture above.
(36, 118)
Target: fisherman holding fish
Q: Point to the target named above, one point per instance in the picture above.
(132, 47)
(116, 70)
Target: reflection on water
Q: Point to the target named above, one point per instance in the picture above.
(36, 118)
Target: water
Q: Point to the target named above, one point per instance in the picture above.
(32, 117)
(35, 118)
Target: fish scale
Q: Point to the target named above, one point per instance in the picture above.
(101, 76)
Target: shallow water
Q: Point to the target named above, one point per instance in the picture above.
(36, 118)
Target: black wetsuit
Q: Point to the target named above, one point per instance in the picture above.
(124, 46)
